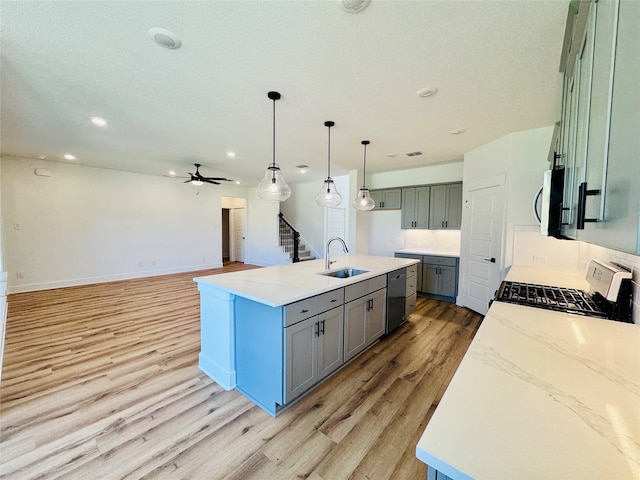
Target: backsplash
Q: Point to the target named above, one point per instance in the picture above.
(444, 239)
(531, 249)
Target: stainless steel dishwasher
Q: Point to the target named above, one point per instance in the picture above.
(396, 296)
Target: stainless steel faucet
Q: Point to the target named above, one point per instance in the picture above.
(327, 262)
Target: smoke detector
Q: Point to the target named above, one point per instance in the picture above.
(164, 38)
(354, 6)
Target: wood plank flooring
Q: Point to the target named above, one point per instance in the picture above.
(101, 382)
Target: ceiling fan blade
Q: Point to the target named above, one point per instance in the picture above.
(218, 178)
(209, 180)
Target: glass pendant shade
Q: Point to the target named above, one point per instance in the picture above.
(364, 201)
(273, 186)
(328, 195)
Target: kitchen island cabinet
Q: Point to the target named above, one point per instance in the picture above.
(540, 394)
(274, 333)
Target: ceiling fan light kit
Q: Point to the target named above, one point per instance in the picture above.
(273, 186)
(328, 195)
(363, 200)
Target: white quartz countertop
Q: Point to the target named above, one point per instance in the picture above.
(541, 394)
(284, 284)
(439, 251)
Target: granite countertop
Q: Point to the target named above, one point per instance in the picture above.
(284, 284)
(541, 394)
(434, 250)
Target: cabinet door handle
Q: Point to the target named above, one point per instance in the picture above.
(446, 223)
(317, 329)
(582, 203)
(442, 223)
(322, 327)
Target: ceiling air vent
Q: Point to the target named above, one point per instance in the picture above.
(413, 154)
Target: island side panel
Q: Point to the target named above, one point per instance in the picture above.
(259, 353)
(217, 349)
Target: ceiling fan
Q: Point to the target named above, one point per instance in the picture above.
(198, 179)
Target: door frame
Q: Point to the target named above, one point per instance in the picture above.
(499, 181)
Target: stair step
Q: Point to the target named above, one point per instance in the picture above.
(307, 258)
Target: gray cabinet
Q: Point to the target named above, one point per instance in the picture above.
(440, 277)
(387, 199)
(313, 350)
(415, 207)
(364, 315)
(411, 290)
(599, 144)
(445, 207)
(418, 268)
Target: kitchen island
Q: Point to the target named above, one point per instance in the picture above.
(274, 333)
(540, 394)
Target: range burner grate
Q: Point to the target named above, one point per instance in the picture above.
(550, 298)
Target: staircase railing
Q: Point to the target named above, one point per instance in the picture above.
(289, 237)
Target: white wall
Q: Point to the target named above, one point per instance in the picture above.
(522, 156)
(263, 244)
(86, 225)
(306, 216)
(448, 172)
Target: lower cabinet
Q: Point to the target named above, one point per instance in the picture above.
(282, 352)
(313, 350)
(364, 322)
(440, 277)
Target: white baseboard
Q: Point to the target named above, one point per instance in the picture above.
(32, 287)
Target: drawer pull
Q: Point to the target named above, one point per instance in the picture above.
(304, 311)
(334, 300)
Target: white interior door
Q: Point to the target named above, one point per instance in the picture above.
(238, 234)
(482, 243)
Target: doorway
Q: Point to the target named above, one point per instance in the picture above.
(481, 242)
(233, 231)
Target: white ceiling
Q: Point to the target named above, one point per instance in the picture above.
(494, 63)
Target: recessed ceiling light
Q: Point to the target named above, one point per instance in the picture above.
(427, 92)
(172, 173)
(457, 131)
(354, 6)
(68, 156)
(237, 182)
(42, 157)
(165, 38)
(231, 154)
(101, 122)
(391, 155)
(302, 168)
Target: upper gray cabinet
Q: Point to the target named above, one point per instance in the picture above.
(445, 210)
(387, 199)
(599, 141)
(415, 207)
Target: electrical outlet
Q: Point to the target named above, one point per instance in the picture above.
(19, 275)
(540, 259)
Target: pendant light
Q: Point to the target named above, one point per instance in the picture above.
(363, 200)
(328, 195)
(273, 186)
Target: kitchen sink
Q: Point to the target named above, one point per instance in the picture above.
(344, 272)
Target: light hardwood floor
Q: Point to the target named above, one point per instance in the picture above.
(101, 382)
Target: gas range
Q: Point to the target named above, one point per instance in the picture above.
(609, 296)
